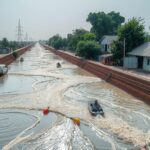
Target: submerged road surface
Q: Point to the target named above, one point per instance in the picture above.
(37, 83)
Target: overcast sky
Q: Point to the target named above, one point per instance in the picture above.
(43, 18)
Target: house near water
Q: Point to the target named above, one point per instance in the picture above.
(139, 57)
(106, 43)
(106, 46)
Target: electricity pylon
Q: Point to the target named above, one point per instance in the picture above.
(19, 32)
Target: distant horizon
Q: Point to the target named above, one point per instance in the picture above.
(43, 19)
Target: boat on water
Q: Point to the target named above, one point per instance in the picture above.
(58, 65)
(21, 59)
(3, 69)
(95, 108)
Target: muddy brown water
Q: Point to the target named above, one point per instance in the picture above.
(37, 83)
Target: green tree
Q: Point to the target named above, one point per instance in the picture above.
(74, 38)
(14, 45)
(117, 20)
(56, 41)
(64, 43)
(147, 37)
(4, 43)
(117, 51)
(88, 49)
(105, 24)
(133, 32)
(89, 36)
(15, 54)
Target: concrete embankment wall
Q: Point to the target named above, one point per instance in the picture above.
(9, 58)
(135, 86)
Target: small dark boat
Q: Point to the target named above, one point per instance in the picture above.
(58, 65)
(21, 59)
(95, 108)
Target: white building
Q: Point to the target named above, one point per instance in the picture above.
(106, 43)
(142, 54)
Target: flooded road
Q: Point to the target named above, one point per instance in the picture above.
(37, 83)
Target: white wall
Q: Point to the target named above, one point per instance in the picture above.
(146, 66)
(130, 62)
(108, 48)
(102, 48)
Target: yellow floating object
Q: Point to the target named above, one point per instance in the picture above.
(76, 121)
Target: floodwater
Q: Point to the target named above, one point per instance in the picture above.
(37, 83)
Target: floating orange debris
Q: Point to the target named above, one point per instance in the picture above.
(76, 121)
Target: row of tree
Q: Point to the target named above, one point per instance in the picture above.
(4, 43)
(82, 42)
(87, 44)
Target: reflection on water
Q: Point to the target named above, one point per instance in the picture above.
(37, 83)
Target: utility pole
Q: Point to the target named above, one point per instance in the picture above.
(19, 32)
(124, 52)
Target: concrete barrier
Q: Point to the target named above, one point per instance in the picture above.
(135, 86)
(9, 58)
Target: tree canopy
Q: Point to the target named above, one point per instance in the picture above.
(88, 49)
(74, 38)
(81, 41)
(147, 37)
(12, 44)
(105, 24)
(57, 41)
(89, 36)
(4, 43)
(133, 32)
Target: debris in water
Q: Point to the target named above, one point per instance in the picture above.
(76, 121)
(46, 111)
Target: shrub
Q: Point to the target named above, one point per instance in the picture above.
(15, 54)
(88, 49)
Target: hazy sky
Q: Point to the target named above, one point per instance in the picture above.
(43, 18)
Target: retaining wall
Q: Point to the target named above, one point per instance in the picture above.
(9, 58)
(135, 86)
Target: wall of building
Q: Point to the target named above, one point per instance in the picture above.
(146, 64)
(104, 50)
(131, 62)
(137, 87)
(9, 58)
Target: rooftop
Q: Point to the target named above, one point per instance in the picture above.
(142, 50)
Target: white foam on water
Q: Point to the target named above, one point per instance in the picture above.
(63, 136)
(53, 95)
